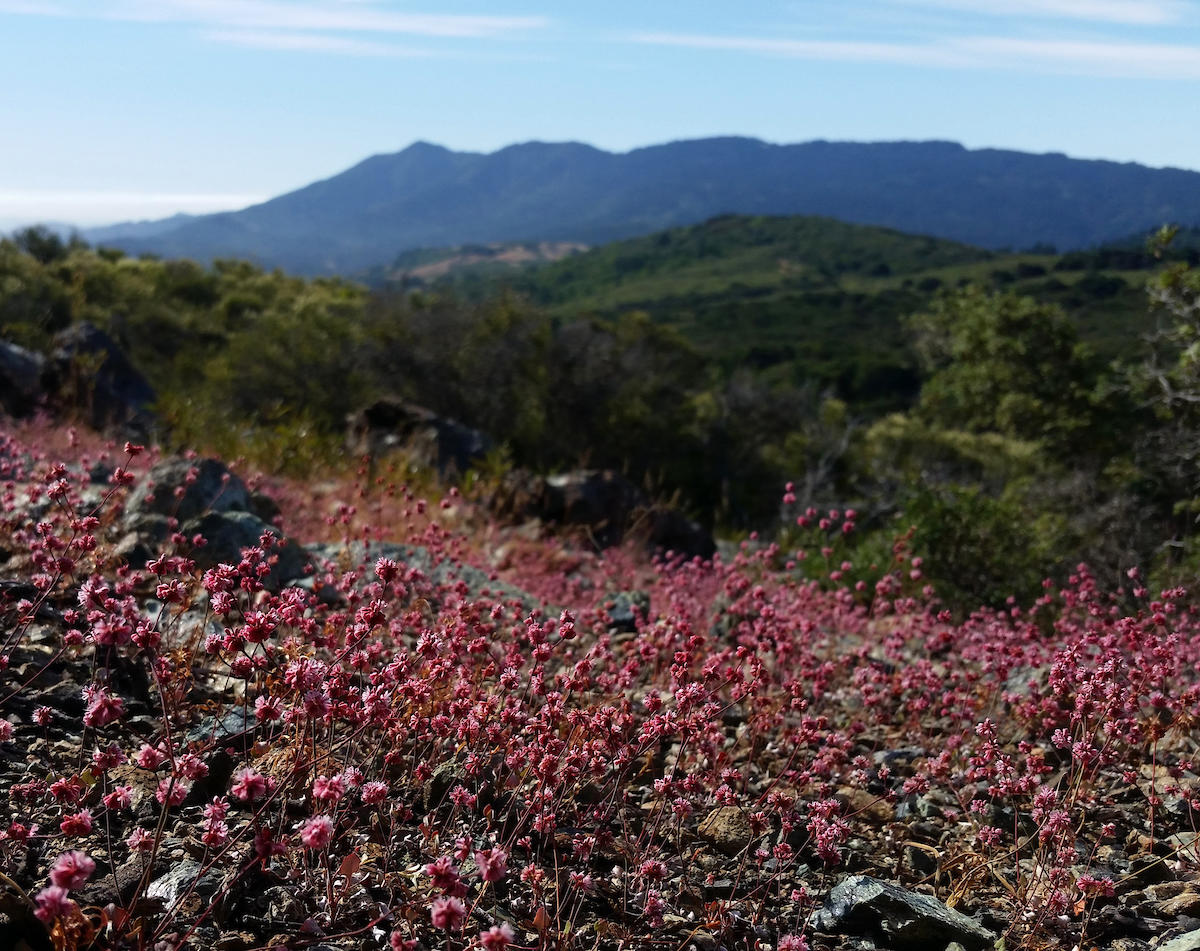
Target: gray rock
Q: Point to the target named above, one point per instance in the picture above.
(602, 506)
(233, 723)
(443, 572)
(621, 614)
(431, 440)
(144, 539)
(20, 379)
(863, 905)
(89, 376)
(1185, 942)
(227, 533)
(445, 777)
(180, 879)
(1186, 903)
(118, 887)
(215, 489)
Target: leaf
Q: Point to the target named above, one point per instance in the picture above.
(350, 865)
(541, 920)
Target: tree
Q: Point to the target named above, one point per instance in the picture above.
(1005, 364)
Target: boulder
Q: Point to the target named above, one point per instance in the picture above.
(185, 489)
(671, 530)
(901, 918)
(600, 504)
(432, 441)
(89, 376)
(226, 534)
(20, 379)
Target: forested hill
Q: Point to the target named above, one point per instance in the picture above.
(427, 196)
(800, 297)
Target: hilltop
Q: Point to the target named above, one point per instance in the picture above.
(430, 196)
(799, 297)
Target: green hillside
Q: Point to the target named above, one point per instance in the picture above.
(812, 299)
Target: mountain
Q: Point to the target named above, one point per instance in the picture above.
(429, 196)
(109, 234)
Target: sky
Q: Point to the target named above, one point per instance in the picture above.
(135, 109)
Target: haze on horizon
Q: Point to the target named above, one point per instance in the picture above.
(138, 109)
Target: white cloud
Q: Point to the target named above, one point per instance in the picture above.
(31, 8)
(318, 16)
(909, 54)
(1087, 57)
(1133, 12)
(1130, 60)
(103, 207)
(310, 42)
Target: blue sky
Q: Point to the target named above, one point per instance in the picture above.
(118, 109)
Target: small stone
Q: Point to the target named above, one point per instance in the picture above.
(1187, 903)
(1185, 942)
(1149, 869)
(920, 861)
(184, 876)
(1166, 890)
(705, 941)
(727, 829)
(1186, 844)
(861, 803)
(905, 919)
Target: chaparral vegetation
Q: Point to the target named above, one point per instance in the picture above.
(939, 691)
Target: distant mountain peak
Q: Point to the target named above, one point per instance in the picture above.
(430, 196)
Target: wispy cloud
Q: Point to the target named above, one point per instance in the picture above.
(1093, 58)
(1133, 12)
(327, 16)
(331, 16)
(850, 50)
(32, 8)
(311, 42)
(1128, 60)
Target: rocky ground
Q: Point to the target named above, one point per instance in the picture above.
(419, 730)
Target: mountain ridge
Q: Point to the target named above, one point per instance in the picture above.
(427, 195)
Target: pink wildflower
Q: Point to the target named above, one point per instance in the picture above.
(493, 864)
(149, 757)
(374, 793)
(71, 870)
(140, 840)
(216, 833)
(248, 785)
(52, 904)
(328, 791)
(448, 913)
(445, 876)
(172, 792)
(497, 937)
(267, 708)
(80, 823)
(317, 832)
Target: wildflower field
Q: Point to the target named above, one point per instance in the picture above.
(439, 734)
